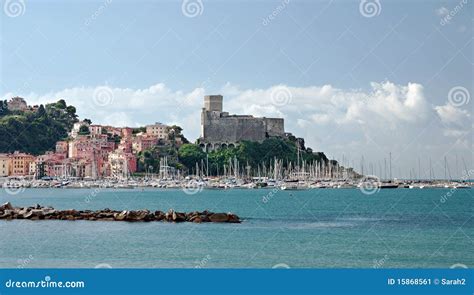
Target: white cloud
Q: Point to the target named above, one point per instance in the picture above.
(450, 114)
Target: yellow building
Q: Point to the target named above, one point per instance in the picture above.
(159, 130)
(4, 165)
(20, 164)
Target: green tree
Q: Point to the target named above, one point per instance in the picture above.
(84, 130)
(190, 154)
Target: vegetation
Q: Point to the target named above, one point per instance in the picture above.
(249, 153)
(36, 130)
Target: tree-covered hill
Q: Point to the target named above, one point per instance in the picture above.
(37, 129)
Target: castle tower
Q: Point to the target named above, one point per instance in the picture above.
(213, 103)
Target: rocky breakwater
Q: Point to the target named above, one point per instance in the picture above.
(8, 212)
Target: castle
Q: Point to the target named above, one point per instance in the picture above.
(221, 130)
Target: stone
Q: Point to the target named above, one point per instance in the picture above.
(121, 216)
(105, 215)
(6, 206)
(159, 215)
(33, 214)
(21, 213)
(179, 217)
(219, 217)
(169, 215)
(233, 218)
(37, 212)
(7, 214)
(137, 215)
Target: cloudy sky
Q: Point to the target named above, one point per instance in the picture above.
(356, 79)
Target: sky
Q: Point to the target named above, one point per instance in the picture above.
(357, 79)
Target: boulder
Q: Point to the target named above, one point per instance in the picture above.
(49, 211)
(6, 206)
(137, 215)
(7, 214)
(159, 215)
(121, 216)
(219, 217)
(22, 212)
(179, 217)
(34, 214)
(105, 215)
(205, 218)
(169, 215)
(233, 218)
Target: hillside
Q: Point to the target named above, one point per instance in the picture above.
(36, 129)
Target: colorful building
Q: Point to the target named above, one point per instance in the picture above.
(157, 130)
(20, 164)
(4, 165)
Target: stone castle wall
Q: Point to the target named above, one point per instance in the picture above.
(219, 129)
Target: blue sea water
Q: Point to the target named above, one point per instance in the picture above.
(322, 228)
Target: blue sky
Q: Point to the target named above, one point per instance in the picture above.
(358, 84)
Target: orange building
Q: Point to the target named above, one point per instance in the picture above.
(20, 164)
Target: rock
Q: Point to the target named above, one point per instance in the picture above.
(149, 217)
(219, 217)
(179, 217)
(159, 215)
(7, 211)
(169, 215)
(105, 215)
(34, 214)
(7, 214)
(21, 213)
(121, 216)
(205, 218)
(233, 218)
(137, 215)
(70, 212)
(6, 206)
(49, 211)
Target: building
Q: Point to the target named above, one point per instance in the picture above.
(144, 142)
(17, 104)
(4, 165)
(20, 164)
(220, 130)
(122, 164)
(95, 129)
(76, 127)
(62, 147)
(158, 130)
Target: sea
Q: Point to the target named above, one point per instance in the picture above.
(318, 228)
